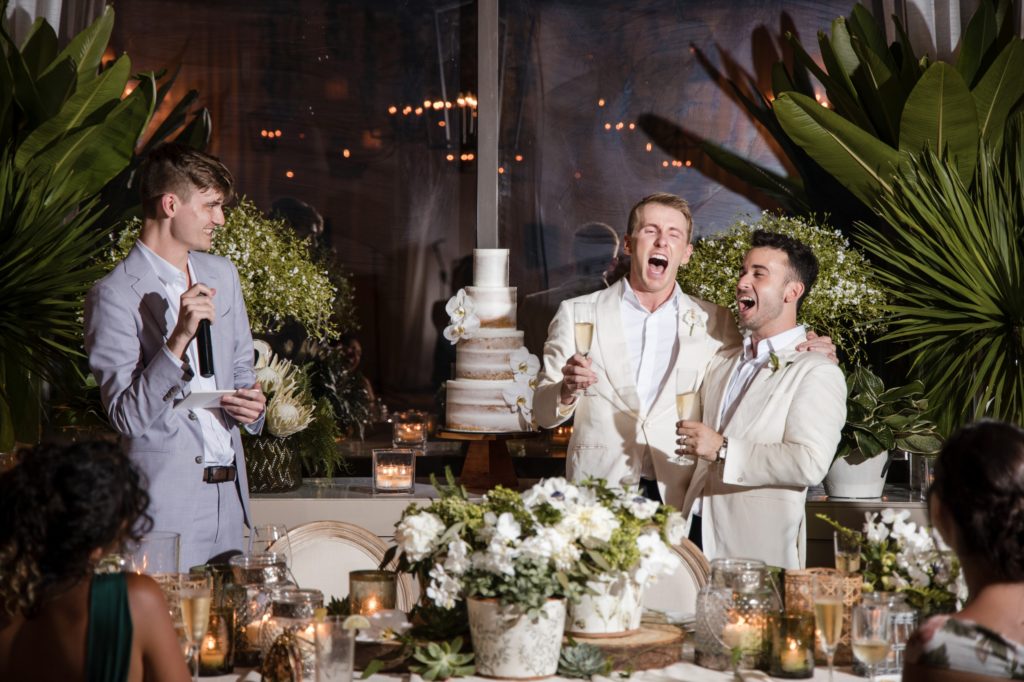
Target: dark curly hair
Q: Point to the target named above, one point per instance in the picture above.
(802, 261)
(58, 504)
(979, 477)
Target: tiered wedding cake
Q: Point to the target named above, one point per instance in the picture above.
(494, 373)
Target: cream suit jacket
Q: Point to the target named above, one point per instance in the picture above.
(782, 438)
(613, 418)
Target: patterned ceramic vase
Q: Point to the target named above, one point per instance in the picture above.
(509, 644)
(271, 464)
(612, 609)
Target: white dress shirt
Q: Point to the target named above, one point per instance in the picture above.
(748, 368)
(653, 342)
(217, 450)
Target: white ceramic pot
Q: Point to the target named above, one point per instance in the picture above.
(854, 477)
(509, 644)
(612, 609)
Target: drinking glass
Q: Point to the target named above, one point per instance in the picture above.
(584, 321)
(334, 650)
(195, 603)
(687, 403)
(847, 551)
(270, 537)
(156, 553)
(828, 614)
(871, 634)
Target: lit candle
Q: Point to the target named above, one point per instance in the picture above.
(370, 606)
(210, 654)
(411, 432)
(793, 658)
(738, 635)
(394, 476)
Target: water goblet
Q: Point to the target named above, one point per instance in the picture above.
(871, 634)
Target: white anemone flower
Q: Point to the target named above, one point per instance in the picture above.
(460, 306)
(287, 414)
(524, 364)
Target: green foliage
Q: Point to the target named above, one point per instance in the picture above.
(334, 378)
(65, 133)
(582, 661)
(317, 443)
(955, 267)
(878, 420)
(281, 280)
(439, 661)
(846, 303)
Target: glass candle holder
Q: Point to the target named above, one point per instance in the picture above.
(256, 577)
(371, 591)
(792, 646)
(560, 435)
(394, 471)
(410, 429)
(216, 650)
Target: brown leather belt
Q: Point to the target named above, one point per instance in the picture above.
(219, 474)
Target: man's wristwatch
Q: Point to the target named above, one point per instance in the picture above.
(720, 456)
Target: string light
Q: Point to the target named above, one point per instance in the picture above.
(392, 110)
(600, 102)
(346, 153)
(289, 174)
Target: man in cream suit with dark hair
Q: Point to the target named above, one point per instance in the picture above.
(647, 333)
(140, 325)
(772, 417)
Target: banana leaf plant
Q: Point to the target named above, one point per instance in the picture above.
(885, 104)
(66, 131)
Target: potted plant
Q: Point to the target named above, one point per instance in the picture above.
(877, 421)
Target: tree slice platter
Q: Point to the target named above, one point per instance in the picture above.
(654, 645)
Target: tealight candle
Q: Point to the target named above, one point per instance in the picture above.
(394, 470)
(372, 591)
(792, 651)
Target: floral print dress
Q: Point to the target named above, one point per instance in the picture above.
(962, 645)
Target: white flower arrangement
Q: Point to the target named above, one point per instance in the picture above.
(526, 548)
(900, 556)
(462, 320)
(290, 408)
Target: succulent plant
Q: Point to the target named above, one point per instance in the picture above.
(582, 660)
(443, 660)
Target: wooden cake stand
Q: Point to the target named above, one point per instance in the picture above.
(487, 460)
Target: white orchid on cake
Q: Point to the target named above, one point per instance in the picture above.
(519, 395)
(462, 319)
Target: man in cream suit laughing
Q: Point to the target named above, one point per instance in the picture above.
(771, 417)
(647, 333)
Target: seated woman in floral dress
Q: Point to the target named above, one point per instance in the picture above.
(977, 504)
(61, 509)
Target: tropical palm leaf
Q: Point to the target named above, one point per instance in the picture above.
(955, 269)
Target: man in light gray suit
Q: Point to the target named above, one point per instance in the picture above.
(140, 326)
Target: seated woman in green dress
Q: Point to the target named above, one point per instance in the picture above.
(61, 510)
(977, 503)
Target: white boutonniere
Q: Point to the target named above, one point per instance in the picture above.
(696, 319)
(775, 363)
(462, 320)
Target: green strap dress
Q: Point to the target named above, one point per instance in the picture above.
(109, 645)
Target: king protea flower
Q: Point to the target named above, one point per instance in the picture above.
(275, 374)
(286, 413)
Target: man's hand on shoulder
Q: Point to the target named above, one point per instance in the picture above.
(819, 344)
(245, 405)
(576, 376)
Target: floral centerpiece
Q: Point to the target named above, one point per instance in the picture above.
(514, 559)
(846, 303)
(900, 556)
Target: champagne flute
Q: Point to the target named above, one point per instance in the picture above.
(828, 613)
(195, 615)
(687, 403)
(584, 319)
(871, 634)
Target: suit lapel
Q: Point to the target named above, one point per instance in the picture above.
(717, 382)
(759, 394)
(691, 353)
(151, 290)
(611, 339)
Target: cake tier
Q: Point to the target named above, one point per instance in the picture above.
(494, 306)
(486, 354)
(490, 267)
(478, 406)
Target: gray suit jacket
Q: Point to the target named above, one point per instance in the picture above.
(127, 321)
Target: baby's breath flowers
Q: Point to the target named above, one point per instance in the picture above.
(845, 303)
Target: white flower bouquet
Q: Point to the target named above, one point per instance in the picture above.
(900, 556)
(524, 549)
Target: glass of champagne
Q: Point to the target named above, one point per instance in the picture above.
(847, 549)
(687, 403)
(584, 318)
(871, 634)
(195, 614)
(828, 613)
